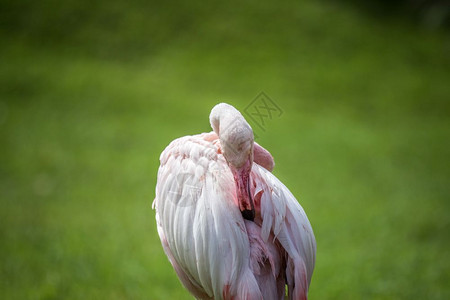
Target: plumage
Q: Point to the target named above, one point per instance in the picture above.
(217, 251)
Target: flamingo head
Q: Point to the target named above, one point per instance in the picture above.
(236, 139)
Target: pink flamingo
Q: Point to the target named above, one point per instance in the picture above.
(229, 227)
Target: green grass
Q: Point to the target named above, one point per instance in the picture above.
(91, 93)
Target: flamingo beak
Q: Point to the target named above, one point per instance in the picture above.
(242, 180)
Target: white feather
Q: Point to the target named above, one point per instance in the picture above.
(206, 238)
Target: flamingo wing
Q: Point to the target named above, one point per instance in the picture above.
(200, 227)
(282, 217)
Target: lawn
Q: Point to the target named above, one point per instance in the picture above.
(92, 91)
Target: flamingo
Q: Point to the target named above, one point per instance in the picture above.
(229, 227)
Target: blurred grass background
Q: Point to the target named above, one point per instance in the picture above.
(92, 91)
